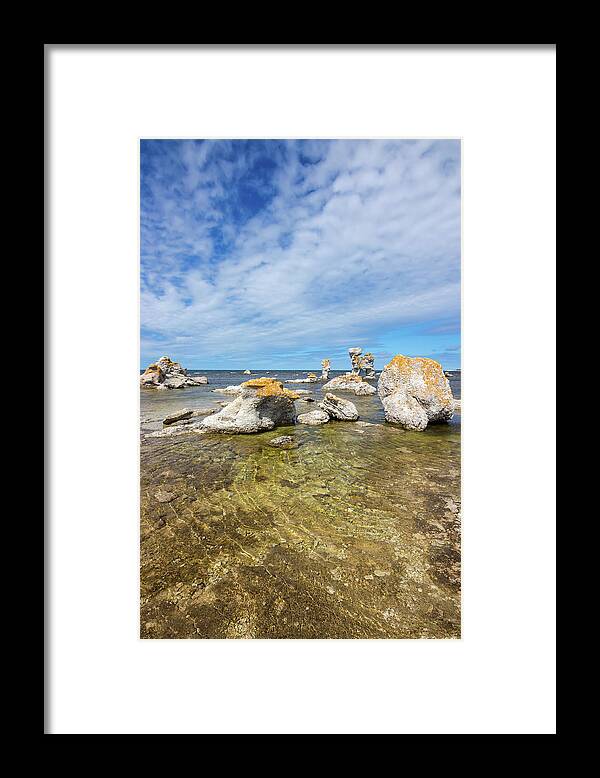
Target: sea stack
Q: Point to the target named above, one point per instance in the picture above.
(361, 363)
(415, 392)
(166, 374)
(326, 365)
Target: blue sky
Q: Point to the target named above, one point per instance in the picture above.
(275, 254)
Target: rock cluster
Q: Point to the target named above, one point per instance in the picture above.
(361, 362)
(261, 405)
(415, 392)
(166, 374)
(350, 383)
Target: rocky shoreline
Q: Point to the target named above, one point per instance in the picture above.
(414, 391)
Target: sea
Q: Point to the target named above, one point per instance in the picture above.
(353, 534)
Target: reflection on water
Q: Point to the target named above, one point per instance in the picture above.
(355, 534)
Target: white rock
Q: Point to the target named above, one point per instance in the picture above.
(256, 409)
(337, 408)
(313, 417)
(415, 392)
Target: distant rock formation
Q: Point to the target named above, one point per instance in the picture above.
(311, 378)
(350, 383)
(231, 389)
(368, 365)
(326, 365)
(247, 372)
(360, 363)
(166, 374)
(415, 392)
(262, 404)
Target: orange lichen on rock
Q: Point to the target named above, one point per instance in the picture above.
(270, 387)
(430, 370)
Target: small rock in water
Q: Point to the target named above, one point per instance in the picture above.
(165, 496)
(336, 408)
(283, 441)
(184, 413)
(313, 417)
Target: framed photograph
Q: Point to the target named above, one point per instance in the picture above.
(280, 268)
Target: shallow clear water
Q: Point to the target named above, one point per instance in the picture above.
(356, 533)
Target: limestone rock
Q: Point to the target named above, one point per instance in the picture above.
(350, 383)
(232, 389)
(313, 417)
(362, 364)
(166, 374)
(284, 441)
(337, 408)
(247, 372)
(184, 413)
(261, 405)
(415, 392)
(326, 365)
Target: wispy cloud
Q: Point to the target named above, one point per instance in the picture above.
(277, 253)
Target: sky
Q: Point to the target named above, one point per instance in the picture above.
(267, 254)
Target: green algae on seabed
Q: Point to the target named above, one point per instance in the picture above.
(355, 534)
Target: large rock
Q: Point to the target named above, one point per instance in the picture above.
(336, 408)
(350, 383)
(262, 404)
(415, 392)
(326, 367)
(313, 418)
(166, 374)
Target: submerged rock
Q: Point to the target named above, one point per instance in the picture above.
(350, 383)
(415, 392)
(261, 405)
(166, 374)
(165, 496)
(313, 417)
(284, 441)
(337, 408)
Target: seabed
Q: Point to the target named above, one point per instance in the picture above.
(354, 534)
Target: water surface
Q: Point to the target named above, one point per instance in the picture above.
(354, 534)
